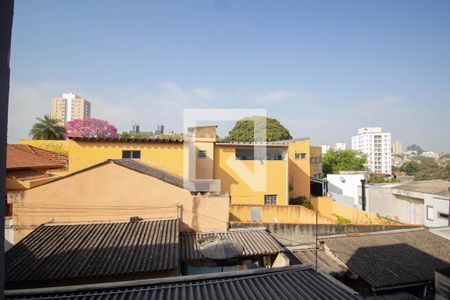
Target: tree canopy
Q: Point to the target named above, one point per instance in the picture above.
(249, 130)
(47, 128)
(426, 169)
(335, 161)
(90, 127)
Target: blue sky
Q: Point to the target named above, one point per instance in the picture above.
(323, 68)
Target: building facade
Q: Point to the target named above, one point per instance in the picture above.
(377, 146)
(397, 148)
(70, 107)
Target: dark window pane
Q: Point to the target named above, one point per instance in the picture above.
(126, 154)
(136, 154)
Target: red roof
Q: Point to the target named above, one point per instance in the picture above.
(29, 157)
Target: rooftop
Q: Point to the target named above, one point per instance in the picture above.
(28, 175)
(67, 251)
(392, 258)
(29, 157)
(128, 140)
(435, 187)
(293, 282)
(256, 242)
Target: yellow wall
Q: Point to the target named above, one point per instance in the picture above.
(316, 167)
(113, 193)
(244, 186)
(15, 184)
(278, 214)
(166, 156)
(299, 169)
(324, 205)
(57, 146)
(357, 216)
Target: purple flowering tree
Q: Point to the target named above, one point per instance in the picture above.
(90, 127)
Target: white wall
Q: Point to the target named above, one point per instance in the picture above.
(438, 204)
(349, 184)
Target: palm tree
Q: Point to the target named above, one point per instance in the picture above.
(47, 128)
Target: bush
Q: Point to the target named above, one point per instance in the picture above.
(302, 200)
(342, 220)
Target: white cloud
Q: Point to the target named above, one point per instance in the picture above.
(372, 107)
(280, 95)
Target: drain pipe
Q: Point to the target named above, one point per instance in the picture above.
(363, 194)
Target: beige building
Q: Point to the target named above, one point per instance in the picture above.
(397, 148)
(70, 107)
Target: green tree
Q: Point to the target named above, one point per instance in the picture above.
(410, 167)
(246, 129)
(429, 169)
(47, 128)
(335, 161)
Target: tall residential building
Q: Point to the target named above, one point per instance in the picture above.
(340, 146)
(70, 107)
(377, 146)
(397, 148)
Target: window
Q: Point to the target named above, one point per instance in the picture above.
(270, 199)
(258, 154)
(300, 156)
(443, 215)
(201, 153)
(430, 213)
(136, 154)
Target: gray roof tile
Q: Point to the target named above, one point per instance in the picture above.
(62, 252)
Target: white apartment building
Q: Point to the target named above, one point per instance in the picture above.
(377, 146)
(337, 146)
(70, 107)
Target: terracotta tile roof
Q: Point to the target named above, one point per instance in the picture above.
(27, 175)
(128, 140)
(64, 252)
(29, 157)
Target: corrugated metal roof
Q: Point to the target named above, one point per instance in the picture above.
(60, 252)
(324, 261)
(256, 242)
(390, 259)
(294, 282)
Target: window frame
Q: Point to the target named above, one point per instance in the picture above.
(133, 154)
(271, 200)
(201, 154)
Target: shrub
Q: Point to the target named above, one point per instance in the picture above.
(302, 200)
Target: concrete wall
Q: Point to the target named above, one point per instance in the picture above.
(296, 234)
(439, 205)
(386, 202)
(110, 193)
(277, 214)
(244, 180)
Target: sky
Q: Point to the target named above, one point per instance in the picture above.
(322, 68)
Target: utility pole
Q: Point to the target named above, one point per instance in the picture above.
(6, 19)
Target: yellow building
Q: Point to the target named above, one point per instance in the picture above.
(305, 161)
(260, 174)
